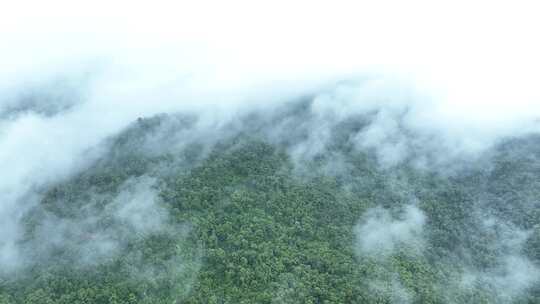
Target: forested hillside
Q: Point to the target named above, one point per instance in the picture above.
(256, 211)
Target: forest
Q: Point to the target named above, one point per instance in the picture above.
(255, 211)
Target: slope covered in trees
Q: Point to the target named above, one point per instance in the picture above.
(170, 214)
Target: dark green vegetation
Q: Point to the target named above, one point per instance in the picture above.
(247, 224)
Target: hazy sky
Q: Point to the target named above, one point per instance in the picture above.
(478, 53)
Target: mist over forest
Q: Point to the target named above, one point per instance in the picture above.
(360, 156)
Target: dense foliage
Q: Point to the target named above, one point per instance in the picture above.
(247, 224)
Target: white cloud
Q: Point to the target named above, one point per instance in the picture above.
(137, 206)
(514, 272)
(378, 233)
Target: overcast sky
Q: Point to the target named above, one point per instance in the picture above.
(477, 53)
